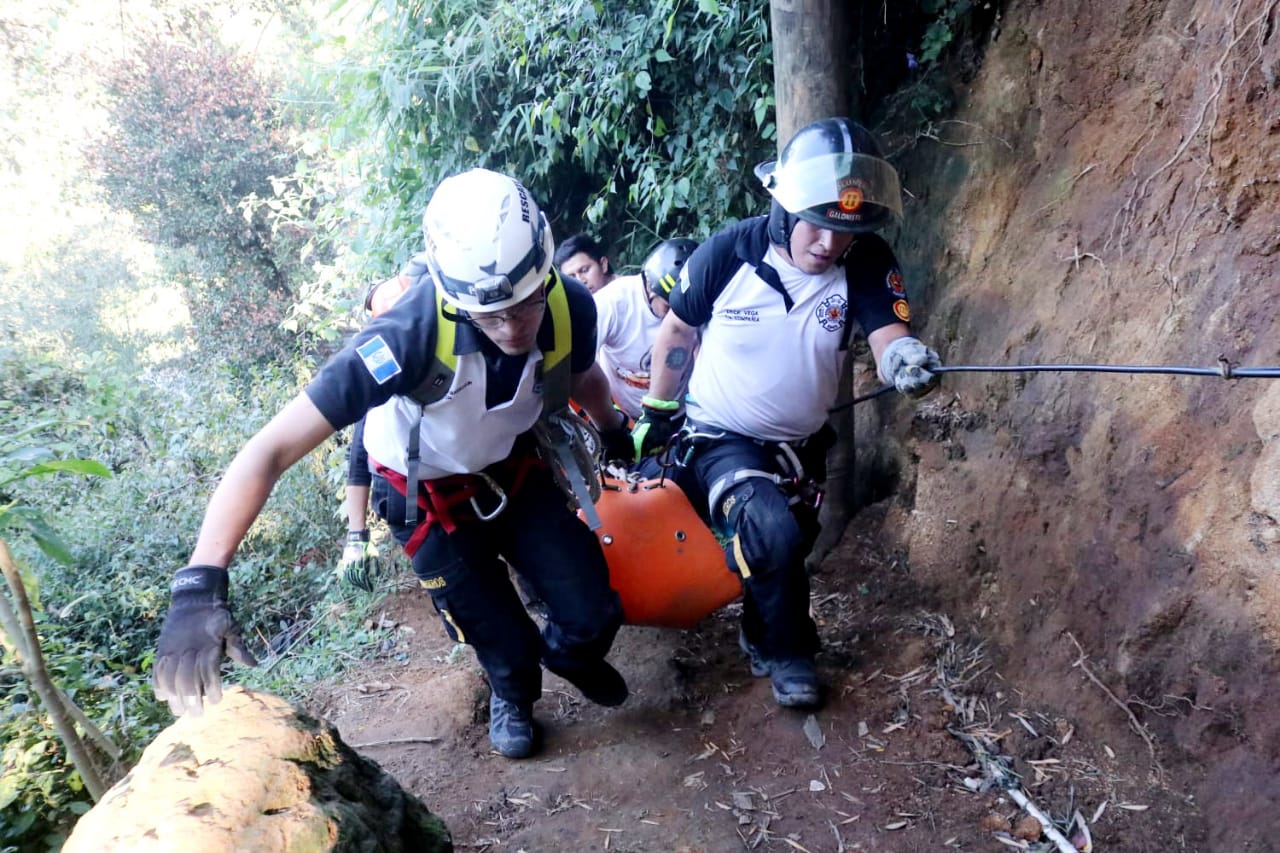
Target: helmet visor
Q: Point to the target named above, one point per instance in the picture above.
(841, 182)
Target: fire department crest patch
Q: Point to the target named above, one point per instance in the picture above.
(832, 312)
(894, 282)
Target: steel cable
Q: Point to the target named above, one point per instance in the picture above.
(1224, 371)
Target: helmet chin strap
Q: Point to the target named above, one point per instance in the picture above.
(781, 223)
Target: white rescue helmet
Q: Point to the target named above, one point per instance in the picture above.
(833, 174)
(488, 245)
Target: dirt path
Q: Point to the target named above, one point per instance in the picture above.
(701, 759)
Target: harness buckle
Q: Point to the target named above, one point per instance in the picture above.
(684, 443)
(804, 488)
(497, 490)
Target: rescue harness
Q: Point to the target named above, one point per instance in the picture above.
(565, 442)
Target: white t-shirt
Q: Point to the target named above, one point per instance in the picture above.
(459, 434)
(764, 371)
(789, 361)
(625, 331)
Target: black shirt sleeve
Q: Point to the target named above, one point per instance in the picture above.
(392, 355)
(582, 323)
(877, 295)
(706, 273)
(358, 473)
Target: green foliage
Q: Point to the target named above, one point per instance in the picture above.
(944, 16)
(166, 435)
(33, 796)
(636, 119)
(195, 142)
(93, 365)
(941, 40)
(20, 462)
(41, 794)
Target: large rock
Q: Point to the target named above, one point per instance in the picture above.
(255, 773)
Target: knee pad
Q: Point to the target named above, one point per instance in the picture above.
(766, 536)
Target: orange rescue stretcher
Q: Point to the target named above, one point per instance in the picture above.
(666, 566)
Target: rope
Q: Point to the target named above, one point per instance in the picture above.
(1224, 370)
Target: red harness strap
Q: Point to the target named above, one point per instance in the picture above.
(437, 498)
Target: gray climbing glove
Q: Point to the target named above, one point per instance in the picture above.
(356, 568)
(197, 634)
(908, 364)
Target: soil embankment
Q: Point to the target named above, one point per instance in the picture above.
(1109, 194)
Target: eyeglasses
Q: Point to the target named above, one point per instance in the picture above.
(497, 319)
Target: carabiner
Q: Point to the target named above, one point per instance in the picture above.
(497, 490)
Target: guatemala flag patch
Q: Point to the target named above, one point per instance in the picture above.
(378, 359)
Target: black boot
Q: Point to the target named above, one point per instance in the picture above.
(794, 680)
(597, 680)
(512, 731)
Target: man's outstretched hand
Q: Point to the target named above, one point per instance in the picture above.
(198, 632)
(909, 364)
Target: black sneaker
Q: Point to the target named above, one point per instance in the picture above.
(794, 680)
(597, 680)
(512, 731)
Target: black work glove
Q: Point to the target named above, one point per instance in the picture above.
(907, 363)
(356, 566)
(197, 633)
(616, 442)
(658, 421)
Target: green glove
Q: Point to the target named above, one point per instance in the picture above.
(356, 568)
(658, 421)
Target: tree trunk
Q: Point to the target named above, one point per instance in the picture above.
(811, 70)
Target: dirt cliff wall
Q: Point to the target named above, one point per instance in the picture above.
(1109, 193)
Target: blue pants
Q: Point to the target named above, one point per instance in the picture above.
(768, 545)
(550, 548)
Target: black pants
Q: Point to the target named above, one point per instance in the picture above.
(550, 548)
(768, 541)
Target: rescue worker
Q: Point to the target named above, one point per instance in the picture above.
(356, 566)
(630, 313)
(480, 491)
(767, 303)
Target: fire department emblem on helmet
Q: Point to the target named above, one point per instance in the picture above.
(832, 312)
(850, 199)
